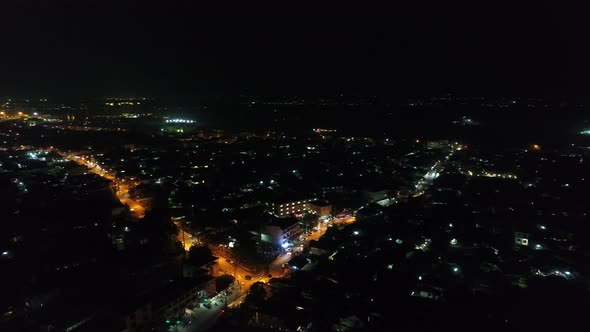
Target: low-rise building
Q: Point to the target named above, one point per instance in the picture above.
(288, 207)
(170, 302)
(280, 230)
(321, 208)
(374, 194)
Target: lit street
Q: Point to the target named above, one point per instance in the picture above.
(122, 186)
(202, 318)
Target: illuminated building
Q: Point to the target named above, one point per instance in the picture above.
(521, 239)
(286, 208)
(320, 208)
(280, 231)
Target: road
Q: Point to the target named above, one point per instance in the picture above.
(242, 275)
(276, 267)
(245, 276)
(185, 237)
(122, 186)
(322, 227)
(202, 319)
(423, 183)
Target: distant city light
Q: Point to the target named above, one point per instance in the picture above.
(179, 121)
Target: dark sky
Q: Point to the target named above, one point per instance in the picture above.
(104, 47)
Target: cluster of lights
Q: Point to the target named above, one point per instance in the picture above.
(179, 121)
(431, 175)
(424, 245)
(497, 175)
(322, 130)
(123, 103)
(563, 274)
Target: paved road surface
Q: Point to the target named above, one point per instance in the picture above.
(203, 318)
(123, 186)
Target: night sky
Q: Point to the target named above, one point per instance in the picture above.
(181, 48)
